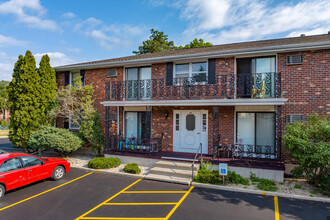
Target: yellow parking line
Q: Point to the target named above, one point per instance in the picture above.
(45, 191)
(146, 203)
(154, 192)
(121, 218)
(277, 214)
(178, 204)
(83, 215)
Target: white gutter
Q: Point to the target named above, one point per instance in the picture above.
(250, 51)
(204, 102)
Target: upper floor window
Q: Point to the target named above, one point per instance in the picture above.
(190, 72)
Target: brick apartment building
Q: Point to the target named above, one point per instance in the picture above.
(234, 99)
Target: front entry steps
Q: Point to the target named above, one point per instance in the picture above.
(172, 171)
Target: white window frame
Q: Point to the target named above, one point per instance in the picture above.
(190, 73)
(71, 79)
(70, 125)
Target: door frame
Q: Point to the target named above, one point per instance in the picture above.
(205, 146)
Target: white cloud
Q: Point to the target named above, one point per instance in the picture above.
(6, 41)
(112, 36)
(56, 58)
(68, 15)
(223, 21)
(23, 10)
(6, 66)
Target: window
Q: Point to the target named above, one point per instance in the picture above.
(74, 75)
(72, 124)
(31, 161)
(190, 72)
(204, 123)
(177, 122)
(190, 122)
(256, 131)
(135, 125)
(11, 164)
(138, 83)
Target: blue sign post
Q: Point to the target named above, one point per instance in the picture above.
(223, 170)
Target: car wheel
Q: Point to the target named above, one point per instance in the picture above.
(58, 173)
(2, 191)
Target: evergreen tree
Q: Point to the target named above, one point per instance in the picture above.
(157, 42)
(24, 101)
(48, 88)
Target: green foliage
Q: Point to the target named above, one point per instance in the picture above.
(132, 168)
(322, 183)
(103, 163)
(58, 139)
(297, 186)
(90, 129)
(263, 184)
(309, 143)
(26, 101)
(4, 124)
(48, 88)
(3, 95)
(206, 175)
(297, 171)
(158, 42)
(267, 185)
(196, 43)
(237, 179)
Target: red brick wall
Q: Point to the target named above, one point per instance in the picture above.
(306, 86)
(226, 124)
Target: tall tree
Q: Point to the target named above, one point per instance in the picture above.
(157, 42)
(196, 43)
(3, 95)
(26, 101)
(48, 88)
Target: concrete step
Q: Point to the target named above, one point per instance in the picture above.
(169, 179)
(171, 172)
(175, 165)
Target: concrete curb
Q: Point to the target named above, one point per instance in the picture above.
(259, 192)
(106, 172)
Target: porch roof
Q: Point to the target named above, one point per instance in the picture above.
(199, 102)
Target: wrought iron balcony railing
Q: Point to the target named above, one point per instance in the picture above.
(248, 151)
(180, 88)
(259, 85)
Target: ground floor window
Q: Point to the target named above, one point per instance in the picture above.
(256, 131)
(135, 125)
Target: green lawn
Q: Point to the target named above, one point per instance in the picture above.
(4, 132)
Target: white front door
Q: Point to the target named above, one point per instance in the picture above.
(189, 130)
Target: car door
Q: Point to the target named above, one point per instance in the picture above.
(34, 168)
(13, 174)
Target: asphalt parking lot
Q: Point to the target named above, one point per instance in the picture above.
(84, 195)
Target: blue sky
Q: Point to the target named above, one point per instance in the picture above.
(73, 31)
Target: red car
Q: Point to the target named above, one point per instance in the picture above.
(19, 169)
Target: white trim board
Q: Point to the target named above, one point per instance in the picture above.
(199, 102)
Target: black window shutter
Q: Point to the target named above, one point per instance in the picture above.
(66, 123)
(82, 74)
(169, 74)
(211, 71)
(67, 78)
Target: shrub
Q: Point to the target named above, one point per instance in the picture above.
(237, 179)
(4, 124)
(309, 143)
(267, 185)
(297, 171)
(322, 183)
(58, 139)
(206, 175)
(297, 186)
(132, 168)
(254, 178)
(103, 163)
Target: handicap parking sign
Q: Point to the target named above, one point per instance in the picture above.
(223, 167)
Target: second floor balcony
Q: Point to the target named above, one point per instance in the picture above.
(247, 86)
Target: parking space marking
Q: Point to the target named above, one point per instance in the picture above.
(155, 192)
(178, 204)
(277, 214)
(145, 203)
(121, 218)
(39, 194)
(83, 215)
